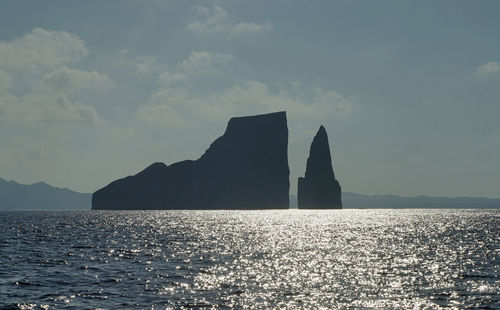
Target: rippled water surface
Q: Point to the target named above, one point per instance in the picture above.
(250, 259)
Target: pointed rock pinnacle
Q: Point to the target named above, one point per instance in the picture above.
(319, 189)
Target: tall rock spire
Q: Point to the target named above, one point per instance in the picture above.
(319, 189)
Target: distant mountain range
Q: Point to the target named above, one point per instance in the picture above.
(42, 196)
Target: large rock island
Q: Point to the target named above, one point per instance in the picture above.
(246, 168)
(319, 189)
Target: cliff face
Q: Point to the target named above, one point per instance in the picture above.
(319, 189)
(246, 168)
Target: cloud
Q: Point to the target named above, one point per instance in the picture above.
(489, 69)
(203, 61)
(46, 99)
(141, 65)
(249, 28)
(178, 107)
(167, 108)
(67, 80)
(215, 20)
(5, 81)
(58, 108)
(167, 78)
(41, 50)
(44, 107)
(333, 102)
(176, 103)
(181, 101)
(8, 102)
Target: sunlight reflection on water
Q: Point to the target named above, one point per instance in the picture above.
(251, 259)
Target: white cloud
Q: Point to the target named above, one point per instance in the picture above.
(141, 65)
(167, 78)
(46, 99)
(215, 20)
(67, 80)
(176, 103)
(249, 28)
(41, 50)
(166, 113)
(333, 101)
(209, 20)
(41, 106)
(8, 102)
(59, 108)
(5, 81)
(44, 107)
(177, 107)
(198, 65)
(203, 61)
(491, 68)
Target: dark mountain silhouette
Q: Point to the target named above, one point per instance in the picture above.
(40, 196)
(319, 189)
(246, 168)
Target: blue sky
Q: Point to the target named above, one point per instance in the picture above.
(409, 91)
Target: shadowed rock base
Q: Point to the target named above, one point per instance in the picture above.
(319, 189)
(246, 168)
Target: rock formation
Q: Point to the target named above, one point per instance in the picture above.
(246, 168)
(319, 189)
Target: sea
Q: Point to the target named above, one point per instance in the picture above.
(274, 259)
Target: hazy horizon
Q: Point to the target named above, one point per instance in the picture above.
(408, 91)
(292, 195)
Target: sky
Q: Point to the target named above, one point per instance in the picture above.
(408, 91)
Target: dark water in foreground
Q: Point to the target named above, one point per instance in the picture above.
(250, 259)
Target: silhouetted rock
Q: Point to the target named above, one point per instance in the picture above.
(246, 168)
(319, 189)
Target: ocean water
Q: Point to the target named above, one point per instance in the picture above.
(295, 259)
